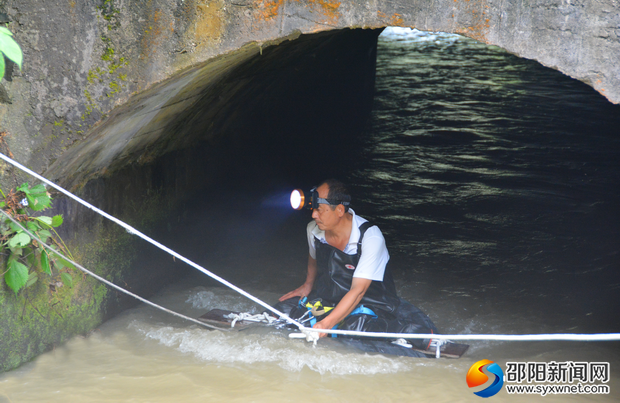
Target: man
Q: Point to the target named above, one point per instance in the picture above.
(348, 267)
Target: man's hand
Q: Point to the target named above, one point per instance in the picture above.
(323, 325)
(305, 289)
(302, 291)
(346, 305)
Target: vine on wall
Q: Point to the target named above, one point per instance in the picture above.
(25, 257)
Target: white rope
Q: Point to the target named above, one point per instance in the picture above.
(308, 333)
(248, 317)
(134, 231)
(495, 337)
(103, 280)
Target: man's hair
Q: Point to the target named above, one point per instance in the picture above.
(337, 191)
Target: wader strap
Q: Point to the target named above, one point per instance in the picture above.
(363, 229)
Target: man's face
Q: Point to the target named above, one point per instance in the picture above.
(325, 218)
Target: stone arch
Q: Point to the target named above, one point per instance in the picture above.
(83, 61)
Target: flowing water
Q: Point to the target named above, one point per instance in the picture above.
(496, 184)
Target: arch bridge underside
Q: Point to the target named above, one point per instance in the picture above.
(220, 68)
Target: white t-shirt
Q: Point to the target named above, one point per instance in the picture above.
(375, 255)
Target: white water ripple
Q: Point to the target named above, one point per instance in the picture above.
(268, 346)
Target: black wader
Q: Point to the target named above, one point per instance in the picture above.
(334, 277)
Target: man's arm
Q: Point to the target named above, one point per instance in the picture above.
(305, 289)
(346, 305)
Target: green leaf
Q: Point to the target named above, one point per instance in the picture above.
(47, 221)
(57, 221)
(37, 196)
(32, 278)
(59, 263)
(38, 189)
(2, 204)
(45, 263)
(44, 235)
(31, 201)
(38, 202)
(23, 188)
(16, 251)
(6, 31)
(62, 263)
(68, 264)
(15, 227)
(1, 67)
(30, 257)
(21, 239)
(11, 49)
(17, 275)
(33, 226)
(67, 279)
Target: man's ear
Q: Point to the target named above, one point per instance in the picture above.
(340, 210)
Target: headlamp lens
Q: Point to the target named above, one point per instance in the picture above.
(297, 199)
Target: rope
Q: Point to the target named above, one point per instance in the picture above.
(248, 317)
(48, 247)
(494, 337)
(309, 333)
(134, 231)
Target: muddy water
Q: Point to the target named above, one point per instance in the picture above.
(145, 356)
(495, 182)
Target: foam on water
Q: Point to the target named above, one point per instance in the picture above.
(268, 346)
(258, 345)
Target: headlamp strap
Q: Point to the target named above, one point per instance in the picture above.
(332, 202)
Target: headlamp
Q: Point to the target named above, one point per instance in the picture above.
(311, 201)
(300, 200)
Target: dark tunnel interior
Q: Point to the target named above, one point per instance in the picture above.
(282, 119)
(293, 109)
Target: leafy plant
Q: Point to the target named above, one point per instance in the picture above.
(10, 49)
(24, 252)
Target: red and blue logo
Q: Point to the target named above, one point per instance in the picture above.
(475, 377)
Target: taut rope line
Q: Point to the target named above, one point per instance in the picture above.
(310, 334)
